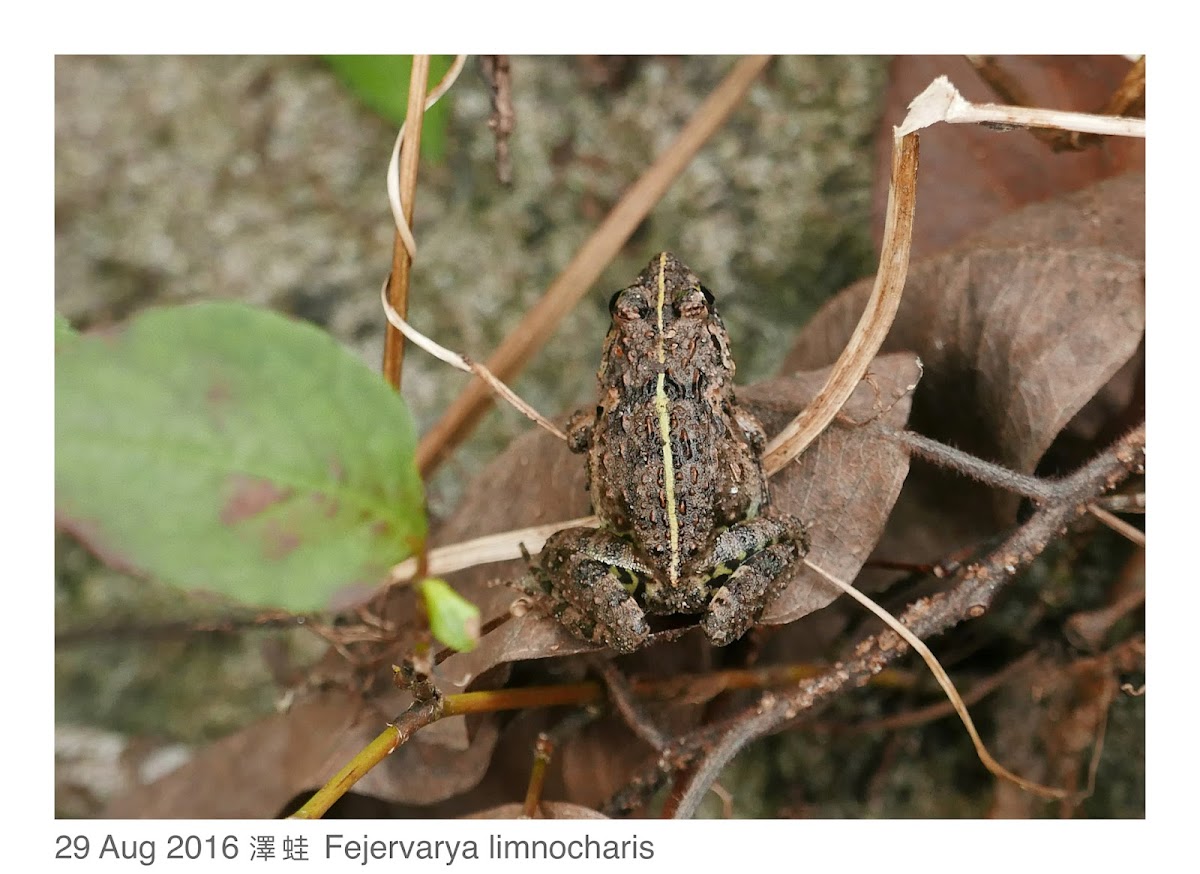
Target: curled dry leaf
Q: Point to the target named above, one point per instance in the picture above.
(1018, 328)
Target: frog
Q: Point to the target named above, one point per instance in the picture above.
(675, 476)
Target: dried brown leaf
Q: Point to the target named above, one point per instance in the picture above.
(970, 175)
(1018, 328)
(254, 772)
(251, 773)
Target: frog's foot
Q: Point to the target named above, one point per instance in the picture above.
(765, 551)
(588, 576)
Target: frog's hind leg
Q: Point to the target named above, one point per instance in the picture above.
(763, 553)
(589, 577)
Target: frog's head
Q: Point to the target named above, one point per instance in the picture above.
(666, 319)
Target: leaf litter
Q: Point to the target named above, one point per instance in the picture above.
(844, 484)
(1060, 281)
(1083, 255)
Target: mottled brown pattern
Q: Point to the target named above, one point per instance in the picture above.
(672, 466)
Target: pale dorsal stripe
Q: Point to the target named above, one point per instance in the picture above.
(664, 426)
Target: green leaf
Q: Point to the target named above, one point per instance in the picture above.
(62, 329)
(452, 618)
(221, 447)
(381, 82)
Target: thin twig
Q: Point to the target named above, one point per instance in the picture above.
(968, 465)
(978, 585)
(543, 752)
(402, 188)
(1122, 102)
(406, 724)
(402, 256)
(589, 261)
(504, 546)
(497, 71)
(395, 201)
(620, 695)
(940, 709)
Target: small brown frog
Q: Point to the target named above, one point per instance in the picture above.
(675, 477)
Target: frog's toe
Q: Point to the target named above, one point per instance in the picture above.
(628, 629)
(623, 628)
(736, 606)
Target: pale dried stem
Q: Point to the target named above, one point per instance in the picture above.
(402, 184)
(942, 102)
(504, 546)
(589, 261)
(1130, 533)
(947, 685)
(723, 751)
(393, 170)
(621, 697)
(464, 363)
(875, 322)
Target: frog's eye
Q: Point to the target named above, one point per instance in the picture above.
(627, 307)
(696, 305)
(708, 295)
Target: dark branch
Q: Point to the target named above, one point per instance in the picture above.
(710, 748)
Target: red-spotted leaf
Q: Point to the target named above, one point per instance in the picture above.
(221, 447)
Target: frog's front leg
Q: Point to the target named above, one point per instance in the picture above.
(590, 576)
(752, 560)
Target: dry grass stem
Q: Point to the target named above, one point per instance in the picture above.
(504, 546)
(1119, 525)
(399, 209)
(876, 319)
(591, 259)
(947, 685)
(464, 363)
